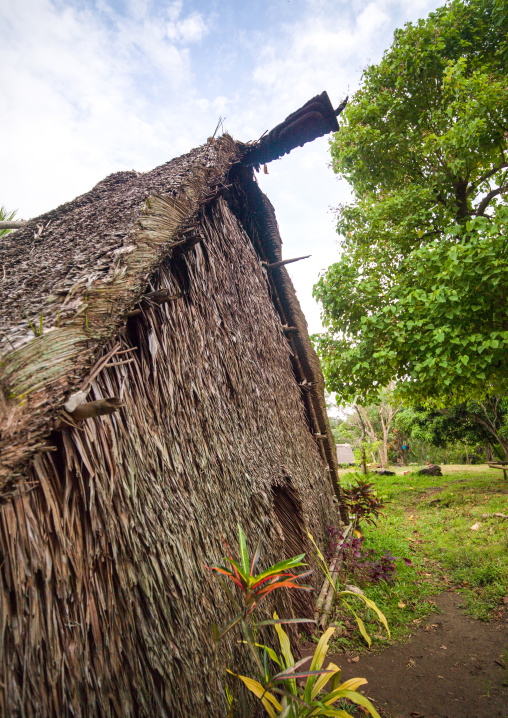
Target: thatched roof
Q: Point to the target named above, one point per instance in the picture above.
(160, 291)
(345, 454)
(72, 275)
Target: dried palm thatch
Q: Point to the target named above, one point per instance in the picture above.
(147, 300)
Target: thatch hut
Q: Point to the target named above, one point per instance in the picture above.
(345, 454)
(157, 387)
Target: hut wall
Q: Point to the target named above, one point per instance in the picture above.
(105, 604)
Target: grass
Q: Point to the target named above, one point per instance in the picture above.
(429, 520)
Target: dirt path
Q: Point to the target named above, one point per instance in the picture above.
(452, 667)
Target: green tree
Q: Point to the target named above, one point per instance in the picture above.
(473, 422)
(420, 293)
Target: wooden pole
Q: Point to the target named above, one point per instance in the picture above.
(276, 265)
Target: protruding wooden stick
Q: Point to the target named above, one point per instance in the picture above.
(13, 224)
(160, 296)
(96, 408)
(289, 330)
(320, 436)
(276, 265)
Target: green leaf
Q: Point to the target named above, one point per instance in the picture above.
(360, 623)
(273, 622)
(244, 556)
(281, 567)
(370, 603)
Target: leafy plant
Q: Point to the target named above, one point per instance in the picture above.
(362, 562)
(311, 700)
(320, 559)
(254, 587)
(362, 501)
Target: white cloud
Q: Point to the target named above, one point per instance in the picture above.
(80, 96)
(95, 87)
(190, 29)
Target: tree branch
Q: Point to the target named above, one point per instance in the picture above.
(485, 177)
(485, 201)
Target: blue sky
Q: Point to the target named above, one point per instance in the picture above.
(92, 87)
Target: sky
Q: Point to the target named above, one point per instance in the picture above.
(92, 87)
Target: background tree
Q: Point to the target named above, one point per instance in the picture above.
(473, 423)
(377, 420)
(420, 293)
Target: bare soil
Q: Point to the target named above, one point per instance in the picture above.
(452, 666)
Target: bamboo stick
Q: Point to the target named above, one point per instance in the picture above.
(13, 224)
(327, 593)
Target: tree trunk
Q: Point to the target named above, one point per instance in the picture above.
(492, 424)
(362, 424)
(504, 445)
(489, 452)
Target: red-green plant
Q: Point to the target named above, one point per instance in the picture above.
(254, 587)
(364, 563)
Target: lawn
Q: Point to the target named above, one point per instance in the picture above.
(441, 525)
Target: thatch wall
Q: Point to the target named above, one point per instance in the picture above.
(71, 275)
(105, 605)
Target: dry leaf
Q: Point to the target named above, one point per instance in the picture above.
(475, 527)
(444, 648)
(355, 659)
(401, 605)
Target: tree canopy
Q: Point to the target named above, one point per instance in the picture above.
(420, 292)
